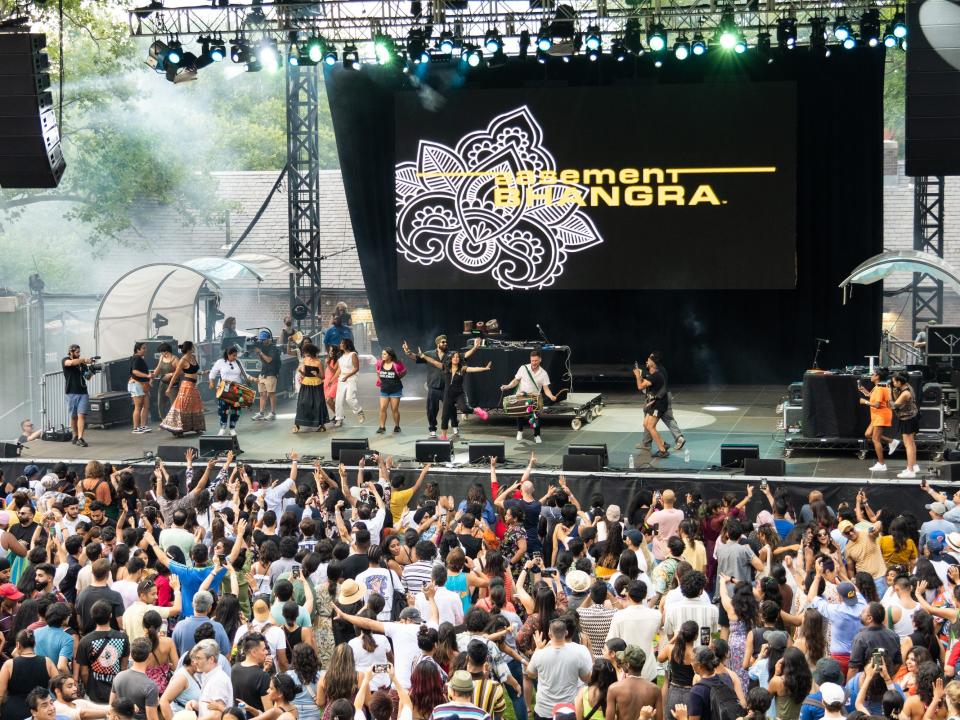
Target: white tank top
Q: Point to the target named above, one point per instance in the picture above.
(904, 626)
(346, 363)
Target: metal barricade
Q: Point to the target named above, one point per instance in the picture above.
(53, 413)
(894, 351)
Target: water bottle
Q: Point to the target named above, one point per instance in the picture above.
(630, 464)
(686, 455)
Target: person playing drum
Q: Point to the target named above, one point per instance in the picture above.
(230, 371)
(533, 380)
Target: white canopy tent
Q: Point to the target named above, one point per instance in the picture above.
(127, 310)
(885, 264)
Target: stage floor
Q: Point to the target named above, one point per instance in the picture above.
(709, 416)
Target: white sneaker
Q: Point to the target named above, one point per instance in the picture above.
(519, 435)
(433, 433)
(223, 431)
(456, 431)
(233, 432)
(907, 474)
(537, 439)
(146, 429)
(916, 468)
(271, 416)
(136, 431)
(894, 444)
(258, 416)
(878, 467)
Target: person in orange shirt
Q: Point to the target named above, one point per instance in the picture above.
(881, 414)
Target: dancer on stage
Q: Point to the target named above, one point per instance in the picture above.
(454, 369)
(311, 403)
(390, 374)
(435, 381)
(881, 415)
(228, 369)
(331, 374)
(164, 373)
(905, 406)
(667, 417)
(349, 366)
(533, 380)
(186, 413)
(655, 386)
(138, 385)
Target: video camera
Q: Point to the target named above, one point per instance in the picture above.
(94, 367)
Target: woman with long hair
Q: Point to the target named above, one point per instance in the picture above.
(229, 370)
(21, 674)
(791, 684)
(721, 649)
(426, 689)
(166, 365)
(594, 693)
(283, 690)
(906, 676)
(305, 671)
(186, 412)
(742, 611)
(227, 613)
(393, 554)
(163, 656)
(866, 586)
(371, 648)
(331, 377)
(905, 408)
(312, 409)
(924, 635)
(447, 648)
(513, 546)
(341, 680)
(679, 652)
(544, 612)
(694, 551)
(390, 374)
(917, 705)
(26, 614)
(183, 687)
(455, 368)
(349, 366)
(613, 546)
(898, 547)
(293, 632)
(811, 636)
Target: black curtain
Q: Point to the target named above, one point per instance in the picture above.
(715, 336)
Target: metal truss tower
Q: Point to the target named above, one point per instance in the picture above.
(303, 188)
(927, 237)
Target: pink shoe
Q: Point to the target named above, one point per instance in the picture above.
(481, 413)
(443, 436)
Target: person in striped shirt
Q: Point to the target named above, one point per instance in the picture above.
(487, 692)
(460, 692)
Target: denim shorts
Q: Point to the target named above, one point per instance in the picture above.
(135, 389)
(391, 395)
(78, 404)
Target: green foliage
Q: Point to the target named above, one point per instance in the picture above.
(894, 96)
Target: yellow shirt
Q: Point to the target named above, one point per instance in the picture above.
(907, 556)
(398, 503)
(696, 556)
(866, 554)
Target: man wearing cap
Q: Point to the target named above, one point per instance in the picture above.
(460, 693)
(269, 355)
(936, 522)
(557, 666)
(827, 670)
(863, 553)
(627, 697)
(874, 636)
(843, 617)
(834, 699)
(435, 375)
(10, 598)
(596, 612)
(32, 473)
(667, 519)
(264, 624)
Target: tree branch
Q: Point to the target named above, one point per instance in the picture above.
(35, 199)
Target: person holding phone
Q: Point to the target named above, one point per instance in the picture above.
(881, 415)
(905, 407)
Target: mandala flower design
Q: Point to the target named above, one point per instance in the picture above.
(446, 210)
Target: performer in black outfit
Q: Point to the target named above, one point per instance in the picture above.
(454, 370)
(435, 381)
(655, 385)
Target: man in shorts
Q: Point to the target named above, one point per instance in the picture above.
(75, 387)
(269, 355)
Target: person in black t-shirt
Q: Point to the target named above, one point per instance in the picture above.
(138, 385)
(435, 375)
(454, 369)
(390, 373)
(655, 387)
(250, 683)
(269, 355)
(75, 388)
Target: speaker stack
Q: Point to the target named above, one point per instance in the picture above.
(30, 155)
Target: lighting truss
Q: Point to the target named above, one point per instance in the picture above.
(359, 21)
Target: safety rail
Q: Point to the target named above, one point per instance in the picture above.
(894, 351)
(53, 413)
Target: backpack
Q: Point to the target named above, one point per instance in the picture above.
(91, 495)
(724, 704)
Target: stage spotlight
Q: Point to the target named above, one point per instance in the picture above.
(384, 49)
(524, 44)
(293, 56)
(818, 33)
(471, 56)
(174, 52)
(542, 56)
(728, 32)
(330, 56)
(492, 42)
(870, 27)
(268, 55)
(446, 42)
(157, 56)
(740, 46)
(841, 28)
(849, 43)
(787, 33)
(593, 40)
(899, 25)
(889, 38)
(631, 37)
(351, 58)
(618, 50)
(218, 51)
(657, 37)
(699, 45)
(417, 47)
(239, 50)
(544, 38)
(313, 49)
(681, 48)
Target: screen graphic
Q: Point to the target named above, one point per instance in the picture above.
(679, 187)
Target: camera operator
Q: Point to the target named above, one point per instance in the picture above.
(75, 373)
(339, 327)
(269, 355)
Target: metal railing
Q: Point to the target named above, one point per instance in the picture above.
(53, 413)
(894, 351)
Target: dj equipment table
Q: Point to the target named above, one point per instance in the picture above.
(483, 389)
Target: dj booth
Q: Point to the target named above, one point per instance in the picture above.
(483, 389)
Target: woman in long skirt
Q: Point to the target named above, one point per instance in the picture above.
(311, 404)
(186, 413)
(331, 373)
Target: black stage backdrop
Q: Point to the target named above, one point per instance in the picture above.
(707, 336)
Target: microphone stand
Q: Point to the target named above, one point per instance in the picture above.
(816, 355)
(542, 334)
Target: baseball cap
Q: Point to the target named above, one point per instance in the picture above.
(828, 670)
(633, 656)
(634, 536)
(938, 507)
(613, 513)
(844, 526)
(4, 517)
(411, 613)
(9, 591)
(461, 680)
(832, 694)
(264, 335)
(934, 544)
(564, 710)
(31, 470)
(847, 593)
(775, 639)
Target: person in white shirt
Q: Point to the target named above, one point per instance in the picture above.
(448, 602)
(693, 604)
(370, 650)
(363, 501)
(68, 705)
(216, 685)
(128, 587)
(229, 370)
(71, 516)
(532, 380)
(273, 496)
(379, 580)
(638, 624)
(263, 623)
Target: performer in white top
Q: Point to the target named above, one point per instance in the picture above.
(228, 369)
(533, 380)
(347, 384)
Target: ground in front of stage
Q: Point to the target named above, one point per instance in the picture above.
(710, 416)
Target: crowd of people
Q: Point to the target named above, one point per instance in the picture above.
(228, 592)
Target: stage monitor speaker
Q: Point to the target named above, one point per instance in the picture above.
(434, 451)
(582, 463)
(795, 393)
(352, 456)
(173, 453)
(931, 419)
(214, 445)
(116, 373)
(766, 467)
(483, 451)
(732, 456)
(347, 444)
(30, 154)
(932, 395)
(950, 471)
(9, 450)
(110, 408)
(598, 450)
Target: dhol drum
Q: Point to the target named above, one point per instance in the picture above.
(235, 394)
(522, 404)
